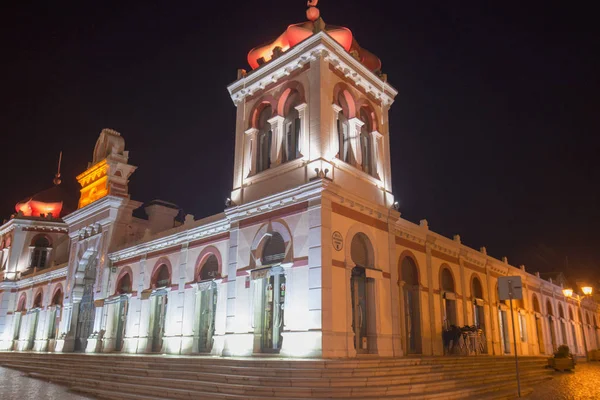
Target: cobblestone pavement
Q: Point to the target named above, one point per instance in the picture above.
(582, 384)
(15, 386)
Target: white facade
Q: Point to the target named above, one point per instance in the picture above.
(310, 258)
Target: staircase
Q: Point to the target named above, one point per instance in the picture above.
(149, 377)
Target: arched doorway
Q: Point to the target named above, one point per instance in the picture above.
(573, 331)
(55, 313)
(538, 325)
(86, 311)
(478, 312)
(449, 298)
(550, 312)
(123, 288)
(269, 294)
(410, 289)
(362, 292)
(206, 302)
(18, 317)
(563, 325)
(32, 321)
(161, 283)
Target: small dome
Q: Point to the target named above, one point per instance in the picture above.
(296, 33)
(49, 201)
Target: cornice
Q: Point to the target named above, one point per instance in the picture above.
(317, 45)
(60, 272)
(57, 226)
(174, 239)
(276, 201)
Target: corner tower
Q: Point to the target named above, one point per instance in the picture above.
(315, 105)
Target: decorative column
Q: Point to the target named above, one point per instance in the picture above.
(377, 140)
(354, 138)
(334, 141)
(250, 153)
(303, 142)
(276, 139)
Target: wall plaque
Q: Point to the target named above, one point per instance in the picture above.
(337, 240)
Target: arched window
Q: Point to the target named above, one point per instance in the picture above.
(37, 302)
(447, 281)
(210, 269)
(477, 289)
(587, 319)
(536, 304)
(39, 255)
(162, 277)
(291, 126)
(57, 299)
(124, 284)
(561, 312)
(274, 249)
(343, 128)
(366, 147)
(410, 273)
(264, 137)
(361, 251)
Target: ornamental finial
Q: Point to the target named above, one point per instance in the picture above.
(312, 13)
(57, 180)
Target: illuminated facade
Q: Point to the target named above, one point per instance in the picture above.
(310, 257)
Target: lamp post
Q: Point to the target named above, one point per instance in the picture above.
(587, 291)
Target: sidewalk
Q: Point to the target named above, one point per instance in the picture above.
(14, 385)
(582, 384)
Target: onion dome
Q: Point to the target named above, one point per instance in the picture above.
(296, 33)
(49, 201)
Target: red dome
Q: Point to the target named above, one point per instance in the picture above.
(49, 201)
(296, 33)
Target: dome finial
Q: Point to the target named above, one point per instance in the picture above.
(57, 180)
(312, 13)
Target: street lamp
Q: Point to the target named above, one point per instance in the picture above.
(587, 290)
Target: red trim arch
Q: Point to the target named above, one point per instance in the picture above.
(161, 261)
(22, 303)
(36, 237)
(364, 103)
(286, 91)
(534, 300)
(57, 288)
(474, 276)
(408, 254)
(347, 92)
(204, 254)
(551, 308)
(266, 100)
(442, 267)
(126, 270)
(38, 294)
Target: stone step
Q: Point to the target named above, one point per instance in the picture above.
(198, 364)
(279, 363)
(162, 386)
(138, 392)
(393, 379)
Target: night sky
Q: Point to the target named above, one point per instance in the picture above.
(493, 132)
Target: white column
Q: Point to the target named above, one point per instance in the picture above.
(276, 139)
(250, 152)
(354, 137)
(334, 140)
(378, 153)
(303, 146)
